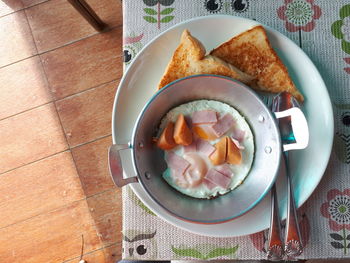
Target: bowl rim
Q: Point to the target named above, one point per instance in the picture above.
(278, 143)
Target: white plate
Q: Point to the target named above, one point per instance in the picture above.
(140, 83)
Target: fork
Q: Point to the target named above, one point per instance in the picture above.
(275, 249)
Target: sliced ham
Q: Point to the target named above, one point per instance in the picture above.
(237, 143)
(238, 134)
(209, 184)
(225, 170)
(223, 125)
(177, 163)
(205, 147)
(191, 148)
(204, 117)
(218, 178)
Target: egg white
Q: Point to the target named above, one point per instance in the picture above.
(240, 171)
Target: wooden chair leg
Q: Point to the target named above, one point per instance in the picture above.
(86, 11)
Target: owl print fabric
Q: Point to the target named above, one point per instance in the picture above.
(322, 29)
(138, 243)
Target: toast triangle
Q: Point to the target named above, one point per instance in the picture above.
(189, 59)
(252, 53)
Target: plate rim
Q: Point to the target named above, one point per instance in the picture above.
(280, 35)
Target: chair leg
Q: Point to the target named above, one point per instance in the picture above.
(86, 11)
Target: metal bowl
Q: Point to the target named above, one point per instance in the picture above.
(149, 161)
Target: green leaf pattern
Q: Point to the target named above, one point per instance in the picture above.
(155, 17)
(150, 19)
(195, 252)
(344, 11)
(217, 252)
(167, 11)
(150, 11)
(336, 29)
(166, 19)
(337, 25)
(345, 46)
(189, 252)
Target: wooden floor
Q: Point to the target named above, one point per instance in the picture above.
(58, 78)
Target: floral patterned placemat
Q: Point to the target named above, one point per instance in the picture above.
(322, 29)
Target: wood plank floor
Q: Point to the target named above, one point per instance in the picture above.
(58, 77)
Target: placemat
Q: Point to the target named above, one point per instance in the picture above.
(322, 30)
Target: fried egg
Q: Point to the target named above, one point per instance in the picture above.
(191, 183)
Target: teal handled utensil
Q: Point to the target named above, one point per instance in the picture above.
(295, 136)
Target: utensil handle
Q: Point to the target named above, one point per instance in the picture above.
(275, 246)
(299, 126)
(293, 244)
(115, 165)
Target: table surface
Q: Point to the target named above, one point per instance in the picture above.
(58, 79)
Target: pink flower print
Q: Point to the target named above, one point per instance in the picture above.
(259, 240)
(337, 209)
(299, 14)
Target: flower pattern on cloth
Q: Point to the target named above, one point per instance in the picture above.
(299, 14)
(337, 209)
(341, 28)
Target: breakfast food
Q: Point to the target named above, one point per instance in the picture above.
(189, 59)
(248, 58)
(166, 140)
(252, 53)
(182, 133)
(213, 161)
(208, 145)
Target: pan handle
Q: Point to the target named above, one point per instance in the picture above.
(115, 165)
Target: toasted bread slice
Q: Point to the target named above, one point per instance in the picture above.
(252, 53)
(189, 59)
